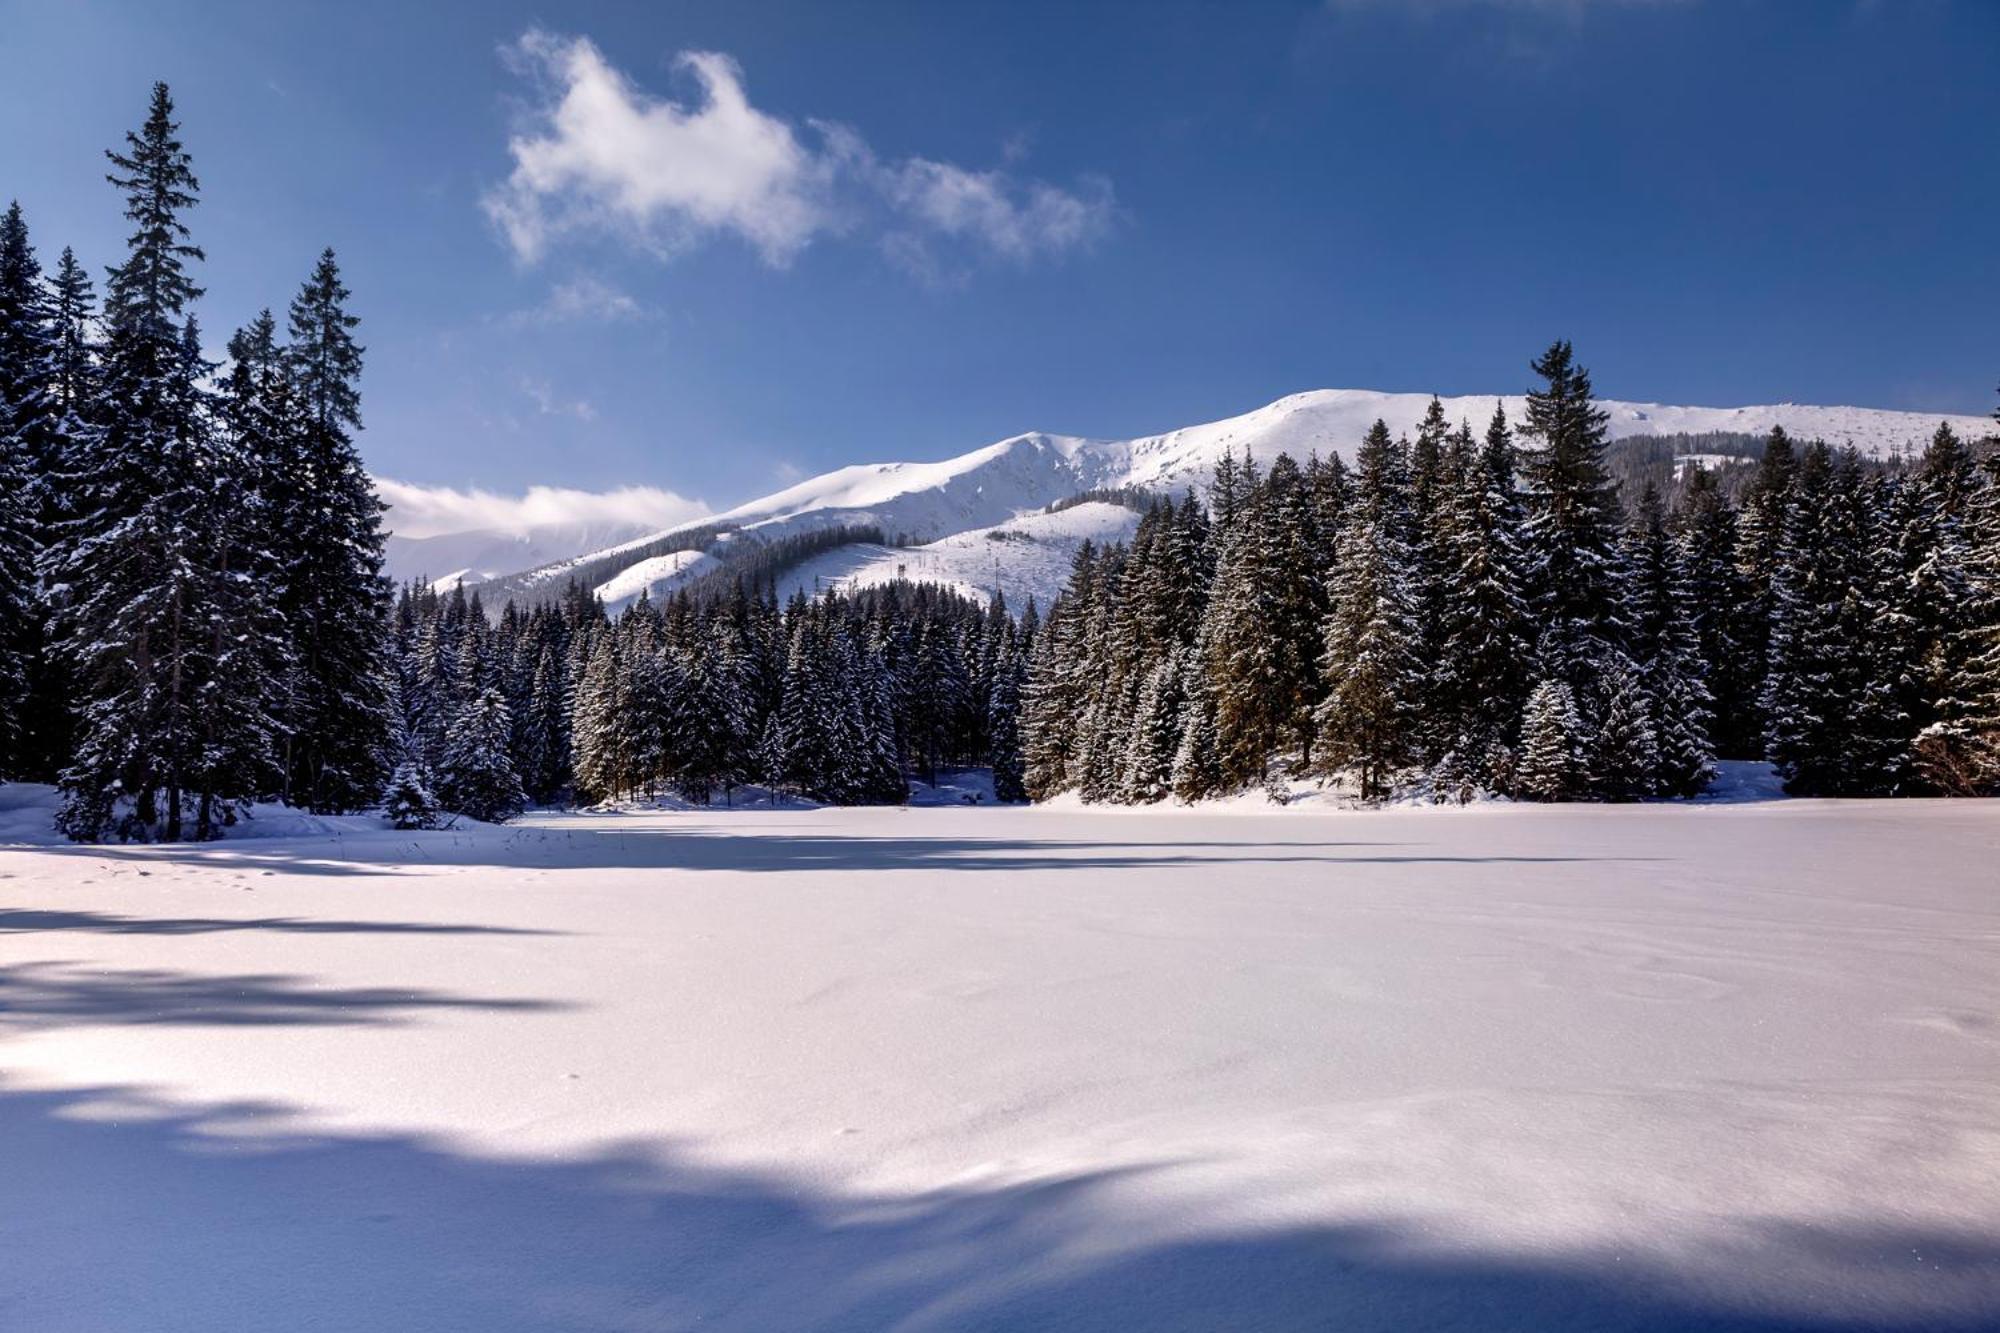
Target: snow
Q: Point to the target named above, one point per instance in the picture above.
(656, 576)
(1685, 463)
(1723, 1066)
(1022, 557)
(1019, 476)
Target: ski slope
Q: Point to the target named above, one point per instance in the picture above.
(1023, 558)
(928, 503)
(1549, 1069)
(656, 577)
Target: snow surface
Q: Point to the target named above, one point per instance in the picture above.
(1023, 557)
(656, 576)
(1019, 476)
(1528, 1068)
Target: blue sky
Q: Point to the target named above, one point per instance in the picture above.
(711, 247)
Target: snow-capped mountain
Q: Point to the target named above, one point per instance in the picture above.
(942, 512)
(486, 553)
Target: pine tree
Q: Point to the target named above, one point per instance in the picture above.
(542, 742)
(1197, 771)
(1662, 642)
(1928, 594)
(1623, 754)
(1551, 762)
(407, 803)
(1059, 684)
(603, 772)
(27, 411)
(1259, 627)
(476, 778)
(1829, 711)
(75, 393)
(705, 718)
(334, 600)
(1959, 753)
(1369, 719)
(131, 570)
(1572, 529)
(1479, 677)
(1156, 732)
(1004, 720)
(1706, 541)
(1760, 539)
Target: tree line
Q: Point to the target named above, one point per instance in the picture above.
(1462, 614)
(837, 699)
(193, 617)
(191, 607)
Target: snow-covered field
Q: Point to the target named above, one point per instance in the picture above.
(1733, 1066)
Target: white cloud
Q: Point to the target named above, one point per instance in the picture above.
(580, 300)
(549, 405)
(608, 154)
(604, 156)
(430, 511)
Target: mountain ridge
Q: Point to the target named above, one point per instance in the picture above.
(918, 504)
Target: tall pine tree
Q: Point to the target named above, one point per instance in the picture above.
(334, 600)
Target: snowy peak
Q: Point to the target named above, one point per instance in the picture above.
(926, 501)
(925, 504)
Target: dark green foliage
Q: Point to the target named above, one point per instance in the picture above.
(475, 777)
(1573, 519)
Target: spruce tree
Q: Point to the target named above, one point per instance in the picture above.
(1663, 644)
(476, 778)
(1156, 733)
(1622, 752)
(1928, 590)
(602, 770)
(1830, 712)
(1552, 744)
(334, 600)
(1572, 529)
(1004, 723)
(1706, 541)
(1760, 540)
(1197, 771)
(542, 741)
(1479, 673)
(407, 802)
(1059, 683)
(131, 572)
(27, 412)
(1369, 720)
(1959, 752)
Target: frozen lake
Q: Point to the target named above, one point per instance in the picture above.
(1731, 1067)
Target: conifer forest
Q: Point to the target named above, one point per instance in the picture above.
(193, 616)
(1300, 666)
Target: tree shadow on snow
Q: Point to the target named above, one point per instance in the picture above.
(123, 1212)
(51, 993)
(707, 847)
(20, 920)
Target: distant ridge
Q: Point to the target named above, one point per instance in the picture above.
(987, 488)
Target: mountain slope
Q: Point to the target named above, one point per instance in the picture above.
(481, 554)
(927, 503)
